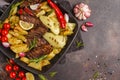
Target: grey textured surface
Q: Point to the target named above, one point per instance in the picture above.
(101, 53)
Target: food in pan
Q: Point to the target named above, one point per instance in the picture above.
(36, 31)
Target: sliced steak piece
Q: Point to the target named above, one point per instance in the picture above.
(24, 4)
(40, 41)
(39, 51)
(38, 31)
(29, 2)
(32, 19)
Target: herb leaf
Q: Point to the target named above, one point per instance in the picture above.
(42, 77)
(79, 44)
(96, 75)
(38, 59)
(52, 74)
(33, 43)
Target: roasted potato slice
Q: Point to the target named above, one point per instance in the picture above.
(14, 41)
(35, 65)
(17, 35)
(25, 59)
(19, 48)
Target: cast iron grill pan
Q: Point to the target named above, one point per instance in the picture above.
(10, 54)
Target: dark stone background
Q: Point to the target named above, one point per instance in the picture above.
(101, 53)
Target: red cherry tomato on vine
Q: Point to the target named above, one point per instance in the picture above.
(11, 61)
(12, 75)
(6, 26)
(18, 78)
(21, 74)
(4, 39)
(4, 32)
(24, 78)
(8, 67)
(15, 68)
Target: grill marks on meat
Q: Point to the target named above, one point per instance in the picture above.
(38, 31)
(29, 2)
(31, 19)
(39, 51)
(40, 41)
(42, 46)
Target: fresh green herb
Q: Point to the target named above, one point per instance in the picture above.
(96, 75)
(48, 13)
(79, 44)
(42, 77)
(52, 74)
(38, 59)
(33, 43)
(1, 24)
(14, 8)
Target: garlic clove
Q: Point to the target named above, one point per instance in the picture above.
(77, 6)
(6, 44)
(83, 17)
(89, 24)
(84, 28)
(22, 54)
(87, 14)
(77, 14)
(76, 10)
(80, 17)
(34, 6)
(66, 16)
(81, 5)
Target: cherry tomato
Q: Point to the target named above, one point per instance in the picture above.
(24, 78)
(21, 74)
(20, 11)
(0, 37)
(4, 32)
(6, 26)
(12, 75)
(8, 67)
(11, 61)
(4, 39)
(18, 78)
(15, 68)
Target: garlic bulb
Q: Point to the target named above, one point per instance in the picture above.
(82, 11)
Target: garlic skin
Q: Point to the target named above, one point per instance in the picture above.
(82, 11)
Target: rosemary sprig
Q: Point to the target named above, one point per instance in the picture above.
(33, 43)
(96, 75)
(79, 44)
(36, 60)
(42, 77)
(52, 74)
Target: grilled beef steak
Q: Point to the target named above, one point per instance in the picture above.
(31, 19)
(42, 47)
(39, 51)
(29, 2)
(38, 31)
